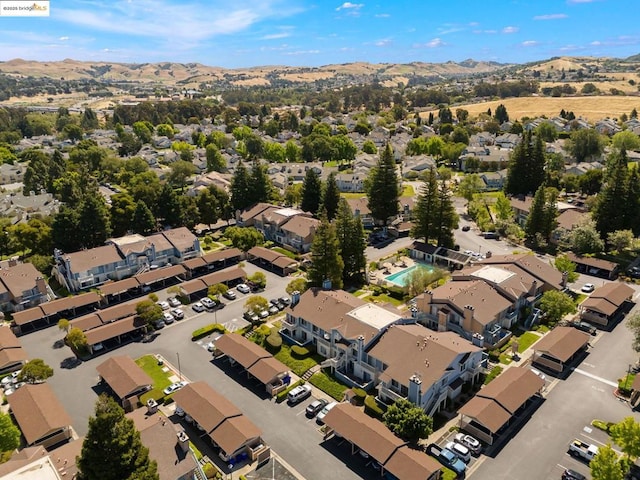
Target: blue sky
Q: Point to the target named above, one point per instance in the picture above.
(311, 33)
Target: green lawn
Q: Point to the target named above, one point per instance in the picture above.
(526, 340)
(580, 297)
(328, 384)
(353, 195)
(408, 191)
(285, 252)
(297, 365)
(384, 298)
(149, 364)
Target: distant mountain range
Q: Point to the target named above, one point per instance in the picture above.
(187, 75)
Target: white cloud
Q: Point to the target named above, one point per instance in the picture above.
(435, 43)
(551, 16)
(63, 39)
(385, 42)
(303, 52)
(350, 6)
(382, 15)
(274, 36)
(510, 29)
(485, 32)
(530, 43)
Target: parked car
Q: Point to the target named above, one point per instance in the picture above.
(466, 228)
(569, 474)
(468, 441)
(174, 387)
(264, 314)
(164, 305)
(324, 411)
(208, 303)
(177, 313)
(299, 393)
(273, 310)
(198, 307)
(243, 288)
(634, 272)
(588, 288)
(460, 450)
(211, 346)
(179, 411)
(585, 327)
(158, 324)
(11, 378)
(538, 373)
(447, 458)
(168, 318)
(314, 407)
(230, 294)
(249, 316)
(174, 302)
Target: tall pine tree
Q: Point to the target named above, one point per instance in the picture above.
(326, 263)
(241, 196)
(311, 192)
(383, 188)
(94, 226)
(330, 196)
(526, 168)
(610, 213)
(112, 449)
(351, 238)
(260, 190)
(425, 221)
(143, 222)
(541, 221)
(447, 218)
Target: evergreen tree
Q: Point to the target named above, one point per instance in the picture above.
(351, 238)
(89, 120)
(122, 210)
(536, 171)
(36, 176)
(447, 218)
(612, 202)
(189, 213)
(94, 225)
(325, 253)
(542, 217)
(330, 196)
(208, 208)
(501, 114)
(65, 221)
(311, 192)
(112, 449)
(632, 210)
(260, 190)
(536, 218)
(168, 208)
(425, 222)
(383, 190)
(241, 188)
(526, 168)
(57, 169)
(143, 222)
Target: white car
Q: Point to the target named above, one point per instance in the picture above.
(243, 288)
(174, 387)
(230, 294)
(11, 378)
(198, 307)
(168, 318)
(177, 313)
(264, 314)
(164, 305)
(588, 287)
(208, 303)
(468, 441)
(324, 411)
(211, 346)
(460, 450)
(174, 302)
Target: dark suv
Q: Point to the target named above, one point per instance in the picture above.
(585, 327)
(569, 474)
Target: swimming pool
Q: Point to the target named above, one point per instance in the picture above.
(402, 277)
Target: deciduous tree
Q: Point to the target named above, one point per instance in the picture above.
(148, 311)
(563, 264)
(9, 434)
(556, 305)
(470, 185)
(35, 371)
(585, 238)
(256, 304)
(626, 434)
(297, 285)
(408, 421)
(244, 238)
(585, 144)
(605, 465)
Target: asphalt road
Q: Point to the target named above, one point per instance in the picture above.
(285, 429)
(539, 450)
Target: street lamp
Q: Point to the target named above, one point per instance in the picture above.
(179, 370)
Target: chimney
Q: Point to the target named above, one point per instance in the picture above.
(534, 287)
(415, 389)
(326, 284)
(424, 301)
(152, 406)
(41, 285)
(565, 276)
(13, 261)
(467, 322)
(183, 441)
(442, 321)
(295, 298)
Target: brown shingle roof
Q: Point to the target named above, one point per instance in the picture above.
(368, 434)
(301, 225)
(284, 262)
(592, 262)
(160, 274)
(113, 329)
(486, 412)
(569, 219)
(193, 286)
(85, 260)
(254, 211)
(181, 238)
(487, 302)
(121, 286)
(614, 292)
(407, 463)
(117, 311)
(213, 257)
(513, 388)
(411, 349)
(601, 305)
(69, 303)
(27, 316)
(194, 263)
(562, 343)
(222, 276)
(8, 339)
(243, 351)
(19, 278)
(86, 322)
(38, 411)
(266, 369)
(12, 356)
(234, 433)
(264, 253)
(123, 375)
(539, 269)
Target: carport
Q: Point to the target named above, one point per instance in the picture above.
(197, 287)
(558, 347)
(46, 313)
(113, 291)
(606, 302)
(374, 438)
(271, 260)
(594, 266)
(161, 275)
(126, 379)
(494, 407)
(257, 362)
(212, 261)
(114, 330)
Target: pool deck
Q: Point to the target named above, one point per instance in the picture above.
(377, 277)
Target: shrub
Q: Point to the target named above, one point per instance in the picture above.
(372, 408)
(204, 331)
(274, 341)
(601, 425)
(359, 393)
(209, 470)
(154, 393)
(495, 371)
(300, 352)
(328, 385)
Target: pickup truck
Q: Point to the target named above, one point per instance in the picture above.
(586, 451)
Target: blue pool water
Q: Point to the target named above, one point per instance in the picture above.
(401, 278)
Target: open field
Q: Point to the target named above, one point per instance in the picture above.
(591, 108)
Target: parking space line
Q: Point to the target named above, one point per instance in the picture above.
(595, 377)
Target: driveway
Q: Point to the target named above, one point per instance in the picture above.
(285, 429)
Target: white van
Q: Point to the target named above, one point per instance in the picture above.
(460, 450)
(298, 394)
(324, 411)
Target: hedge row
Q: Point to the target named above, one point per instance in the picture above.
(300, 352)
(207, 330)
(282, 396)
(372, 408)
(328, 385)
